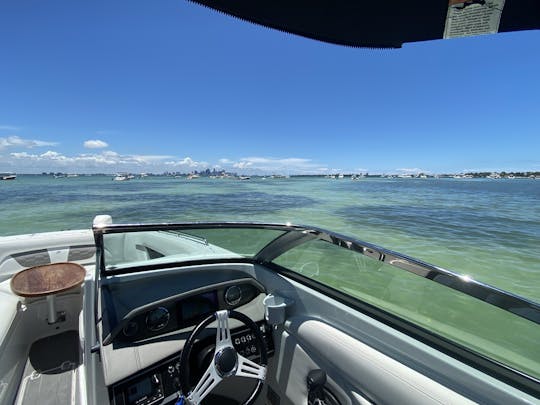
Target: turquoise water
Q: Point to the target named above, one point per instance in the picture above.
(487, 229)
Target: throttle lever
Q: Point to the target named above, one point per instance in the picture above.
(316, 380)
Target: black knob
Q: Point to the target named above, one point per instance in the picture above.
(316, 379)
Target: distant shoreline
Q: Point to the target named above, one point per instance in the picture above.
(355, 176)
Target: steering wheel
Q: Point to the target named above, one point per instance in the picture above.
(226, 361)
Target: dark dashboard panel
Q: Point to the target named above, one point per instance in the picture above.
(183, 310)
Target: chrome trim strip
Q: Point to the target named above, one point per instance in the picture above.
(517, 305)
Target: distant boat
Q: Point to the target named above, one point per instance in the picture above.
(192, 176)
(244, 178)
(8, 176)
(121, 177)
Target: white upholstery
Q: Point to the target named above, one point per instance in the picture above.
(9, 304)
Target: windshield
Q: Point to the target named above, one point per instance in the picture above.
(143, 248)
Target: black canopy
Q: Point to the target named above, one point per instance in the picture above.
(378, 23)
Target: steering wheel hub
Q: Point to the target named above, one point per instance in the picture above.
(226, 362)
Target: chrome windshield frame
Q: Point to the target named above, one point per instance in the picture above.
(295, 235)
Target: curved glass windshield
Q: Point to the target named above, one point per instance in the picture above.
(479, 325)
(487, 321)
(129, 249)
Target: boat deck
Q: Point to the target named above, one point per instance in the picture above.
(50, 373)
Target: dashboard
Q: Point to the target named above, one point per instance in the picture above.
(183, 311)
(146, 318)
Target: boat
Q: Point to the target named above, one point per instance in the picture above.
(122, 177)
(8, 176)
(158, 313)
(255, 313)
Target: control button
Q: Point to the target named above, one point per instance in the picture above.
(243, 339)
(248, 337)
(170, 369)
(237, 341)
(253, 349)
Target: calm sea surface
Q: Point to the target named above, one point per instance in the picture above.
(487, 229)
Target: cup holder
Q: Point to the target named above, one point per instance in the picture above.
(275, 308)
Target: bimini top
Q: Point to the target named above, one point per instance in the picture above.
(384, 23)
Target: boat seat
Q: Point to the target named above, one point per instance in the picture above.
(9, 304)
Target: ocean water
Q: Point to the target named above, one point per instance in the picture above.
(486, 229)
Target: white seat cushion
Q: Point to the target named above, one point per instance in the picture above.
(9, 303)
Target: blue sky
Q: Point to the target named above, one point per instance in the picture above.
(170, 85)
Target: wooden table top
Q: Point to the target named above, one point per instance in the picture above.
(48, 279)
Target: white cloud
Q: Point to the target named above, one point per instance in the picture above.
(95, 144)
(108, 161)
(242, 164)
(412, 170)
(23, 155)
(187, 162)
(291, 165)
(16, 141)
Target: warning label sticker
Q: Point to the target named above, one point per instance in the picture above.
(472, 17)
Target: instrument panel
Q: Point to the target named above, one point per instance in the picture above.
(183, 311)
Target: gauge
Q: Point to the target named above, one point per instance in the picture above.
(131, 329)
(233, 295)
(157, 319)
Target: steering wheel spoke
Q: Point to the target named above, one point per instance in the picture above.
(206, 384)
(223, 335)
(248, 368)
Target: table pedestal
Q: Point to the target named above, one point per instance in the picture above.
(51, 309)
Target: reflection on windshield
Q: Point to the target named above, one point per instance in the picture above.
(152, 247)
(431, 305)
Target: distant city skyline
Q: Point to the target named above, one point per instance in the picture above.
(172, 86)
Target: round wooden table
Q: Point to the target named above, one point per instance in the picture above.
(47, 281)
